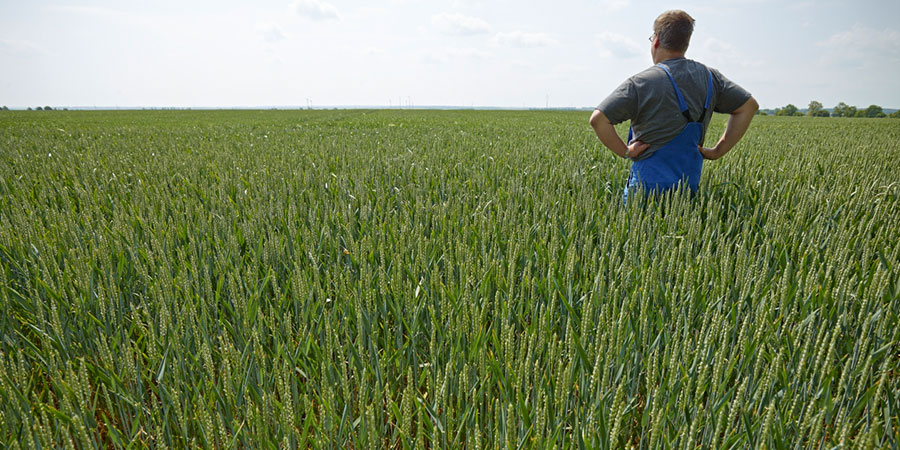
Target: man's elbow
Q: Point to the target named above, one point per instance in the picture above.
(596, 118)
(750, 106)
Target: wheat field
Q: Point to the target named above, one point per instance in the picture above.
(441, 279)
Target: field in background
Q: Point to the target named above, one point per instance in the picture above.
(402, 279)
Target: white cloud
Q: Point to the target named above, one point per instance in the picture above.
(614, 5)
(802, 5)
(862, 46)
(525, 39)
(458, 24)
(21, 48)
(472, 53)
(523, 64)
(87, 10)
(271, 32)
(450, 54)
(719, 50)
(620, 46)
(466, 3)
(111, 15)
(315, 9)
(724, 55)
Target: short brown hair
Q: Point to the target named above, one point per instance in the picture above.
(674, 28)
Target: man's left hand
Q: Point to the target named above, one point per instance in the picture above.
(636, 148)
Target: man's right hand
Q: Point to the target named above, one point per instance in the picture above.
(708, 153)
(737, 125)
(636, 148)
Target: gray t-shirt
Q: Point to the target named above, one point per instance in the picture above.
(648, 100)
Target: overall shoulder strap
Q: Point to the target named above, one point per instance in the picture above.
(709, 92)
(681, 103)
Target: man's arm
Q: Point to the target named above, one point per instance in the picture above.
(734, 130)
(608, 136)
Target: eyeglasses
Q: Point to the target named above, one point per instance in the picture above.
(652, 36)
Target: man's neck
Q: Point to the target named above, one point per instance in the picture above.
(663, 54)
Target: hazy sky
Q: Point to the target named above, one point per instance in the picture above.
(455, 52)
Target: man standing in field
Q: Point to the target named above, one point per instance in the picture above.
(669, 105)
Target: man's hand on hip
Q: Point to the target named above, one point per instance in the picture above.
(636, 148)
(708, 153)
(737, 125)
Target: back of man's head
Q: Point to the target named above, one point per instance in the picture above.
(674, 28)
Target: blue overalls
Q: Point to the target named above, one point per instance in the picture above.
(677, 161)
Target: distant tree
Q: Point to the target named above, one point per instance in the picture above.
(874, 111)
(29, 108)
(859, 113)
(894, 115)
(822, 113)
(762, 113)
(814, 108)
(47, 108)
(788, 110)
(798, 114)
(843, 110)
(5, 108)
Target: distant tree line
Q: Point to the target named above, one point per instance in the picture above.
(842, 109)
(39, 108)
(815, 109)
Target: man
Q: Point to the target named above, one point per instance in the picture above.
(669, 105)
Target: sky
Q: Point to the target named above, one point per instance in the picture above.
(504, 53)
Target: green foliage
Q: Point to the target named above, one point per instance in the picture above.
(815, 109)
(894, 115)
(409, 279)
(788, 110)
(844, 110)
(874, 111)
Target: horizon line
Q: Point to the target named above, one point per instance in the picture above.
(334, 107)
